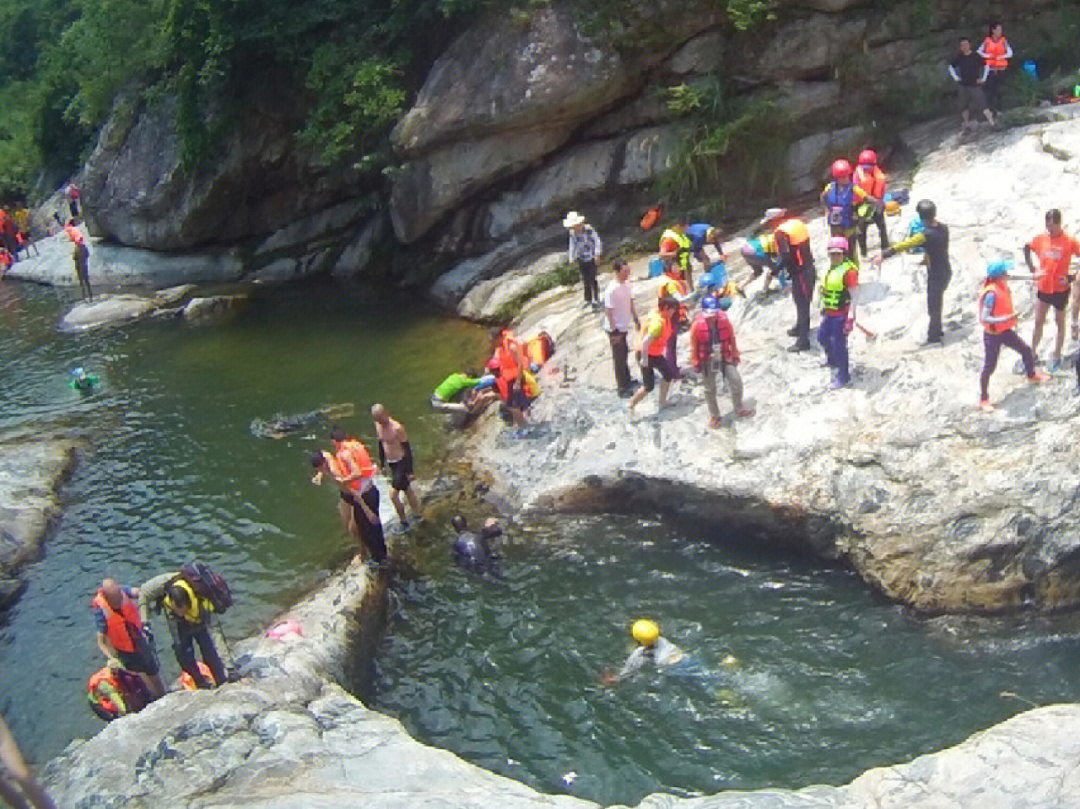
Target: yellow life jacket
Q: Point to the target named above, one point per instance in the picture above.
(196, 606)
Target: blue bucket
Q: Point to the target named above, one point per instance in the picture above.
(1031, 68)
(656, 267)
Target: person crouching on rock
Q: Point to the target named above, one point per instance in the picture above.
(472, 550)
(712, 346)
(839, 291)
(123, 635)
(81, 257)
(655, 334)
(998, 318)
(190, 618)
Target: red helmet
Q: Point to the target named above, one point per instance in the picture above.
(841, 169)
(867, 157)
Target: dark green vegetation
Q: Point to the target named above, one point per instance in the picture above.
(352, 65)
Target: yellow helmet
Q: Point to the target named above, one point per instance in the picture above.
(645, 632)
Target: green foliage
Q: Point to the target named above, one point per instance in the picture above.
(735, 146)
(565, 274)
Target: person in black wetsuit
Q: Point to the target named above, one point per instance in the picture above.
(934, 239)
(472, 550)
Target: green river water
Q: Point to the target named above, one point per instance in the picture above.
(831, 680)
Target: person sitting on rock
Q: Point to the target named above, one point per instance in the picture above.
(464, 395)
(712, 346)
(998, 318)
(472, 550)
(654, 339)
(190, 618)
(123, 636)
(652, 649)
(839, 293)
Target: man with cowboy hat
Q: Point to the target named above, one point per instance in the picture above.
(586, 249)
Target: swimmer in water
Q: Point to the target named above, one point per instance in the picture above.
(652, 649)
(83, 382)
(472, 550)
(280, 426)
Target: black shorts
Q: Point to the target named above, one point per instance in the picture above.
(648, 378)
(517, 399)
(400, 472)
(142, 661)
(1055, 299)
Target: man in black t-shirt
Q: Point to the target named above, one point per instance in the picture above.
(969, 71)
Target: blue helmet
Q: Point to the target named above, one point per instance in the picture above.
(710, 304)
(996, 269)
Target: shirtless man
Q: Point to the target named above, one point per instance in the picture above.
(395, 452)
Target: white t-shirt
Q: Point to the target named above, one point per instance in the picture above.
(663, 653)
(619, 298)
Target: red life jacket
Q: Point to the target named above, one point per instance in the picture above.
(995, 53)
(1003, 305)
(710, 330)
(123, 626)
(352, 453)
(871, 180)
(509, 368)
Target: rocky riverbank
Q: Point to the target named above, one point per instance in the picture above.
(934, 504)
(32, 469)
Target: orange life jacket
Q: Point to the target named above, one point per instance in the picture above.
(119, 625)
(871, 180)
(995, 53)
(1003, 306)
(74, 234)
(352, 453)
(659, 345)
(509, 367)
(187, 682)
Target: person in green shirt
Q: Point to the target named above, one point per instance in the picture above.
(464, 394)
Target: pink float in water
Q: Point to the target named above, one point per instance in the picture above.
(285, 629)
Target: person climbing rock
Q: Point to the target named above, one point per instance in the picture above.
(472, 549)
(871, 179)
(395, 452)
(652, 650)
(190, 616)
(841, 199)
(654, 338)
(675, 249)
(996, 52)
(464, 395)
(839, 294)
(700, 235)
(933, 238)
(969, 71)
(1055, 250)
(18, 787)
(998, 318)
(81, 256)
(353, 473)
(713, 348)
(796, 259)
(586, 249)
(620, 316)
(123, 636)
(761, 255)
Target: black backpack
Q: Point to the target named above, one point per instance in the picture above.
(207, 583)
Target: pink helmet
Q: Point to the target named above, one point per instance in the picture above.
(867, 157)
(838, 244)
(841, 169)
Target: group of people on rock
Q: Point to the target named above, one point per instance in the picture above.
(854, 199)
(978, 75)
(14, 236)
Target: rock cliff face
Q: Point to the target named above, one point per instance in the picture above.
(935, 504)
(524, 116)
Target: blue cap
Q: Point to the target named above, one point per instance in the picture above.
(996, 269)
(710, 304)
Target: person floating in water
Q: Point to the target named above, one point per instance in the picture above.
(83, 382)
(281, 425)
(652, 649)
(472, 550)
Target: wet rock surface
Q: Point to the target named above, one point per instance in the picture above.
(936, 505)
(32, 468)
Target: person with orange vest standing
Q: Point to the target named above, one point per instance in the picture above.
(871, 179)
(81, 256)
(1056, 249)
(673, 285)
(792, 239)
(352, 471)
(654, 339)
(996, 52)
(998, 318)
(122, 636)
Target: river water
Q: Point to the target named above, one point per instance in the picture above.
(171, 471)
(829, 681)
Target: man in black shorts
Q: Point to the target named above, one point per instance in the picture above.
(1054, 277)
(122, 636)
(396, 453)
(658, 328)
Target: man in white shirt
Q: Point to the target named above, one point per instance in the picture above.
(620, 314)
